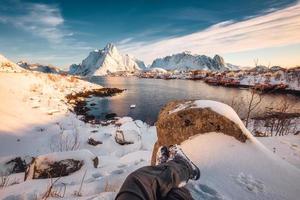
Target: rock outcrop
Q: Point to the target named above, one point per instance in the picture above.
(60, 164)
(15, 165)
(53, 169)
(39, 67)
(176, 127)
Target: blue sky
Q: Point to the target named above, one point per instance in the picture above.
(63, 32)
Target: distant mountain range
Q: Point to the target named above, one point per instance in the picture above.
(109, 60)
(39, 67)
(105, 61)
(187, 61)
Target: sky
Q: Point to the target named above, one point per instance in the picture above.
(64, 32)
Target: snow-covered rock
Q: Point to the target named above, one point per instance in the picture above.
(10, 165)
(276, 68)
(105, 61)
(158, 70)
(188, 61)
(8, 66)
(39, 67)
(60, 164)
(230, 169)
(191, 118)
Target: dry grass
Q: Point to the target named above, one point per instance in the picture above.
(55, 191)
(78, 192)
(65, 143)
(53, 77)
(73, 79)
(5, 181)
(110, 187)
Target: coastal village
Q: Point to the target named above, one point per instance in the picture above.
(273, 79)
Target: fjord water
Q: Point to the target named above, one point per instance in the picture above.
(150, 95)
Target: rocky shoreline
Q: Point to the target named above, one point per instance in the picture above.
(264, 91)
(79, 104)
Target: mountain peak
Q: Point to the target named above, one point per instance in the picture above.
(105, 61)
(110, 47)
(220, 60)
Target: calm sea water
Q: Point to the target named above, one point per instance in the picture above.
(150, 95)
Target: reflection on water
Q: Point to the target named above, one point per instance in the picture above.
(149, 96)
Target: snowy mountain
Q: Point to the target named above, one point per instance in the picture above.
(8, 66)
(187, 61)
(39, 67)
(105, 61)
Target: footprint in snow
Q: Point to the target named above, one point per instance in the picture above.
(122, 166)
(96, 175)
(118, 171)
(249, 183)
(202, 191)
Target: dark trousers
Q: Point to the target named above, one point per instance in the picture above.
(156, 182)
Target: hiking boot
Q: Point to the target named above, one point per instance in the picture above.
(162, 155)
(177, 154)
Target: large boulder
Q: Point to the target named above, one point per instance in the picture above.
(60, 164)
(179, 120)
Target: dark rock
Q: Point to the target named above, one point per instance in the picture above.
(16, 165)
(79, 103)
(260, 134)
(93, 142)
(174, 128)
(54, 169)
(110, 116)
(96, 162)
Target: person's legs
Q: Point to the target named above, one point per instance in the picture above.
(155, 182)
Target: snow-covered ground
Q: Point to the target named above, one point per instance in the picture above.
(231, 170)
(286, 147)
(235, 170)
(35, 121)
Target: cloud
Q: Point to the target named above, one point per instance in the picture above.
(272, 29)
(125, 41)
(42, 20)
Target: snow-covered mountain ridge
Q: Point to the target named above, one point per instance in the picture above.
(188, 61)
(8, 66)
(39, 67)
(105, 61)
